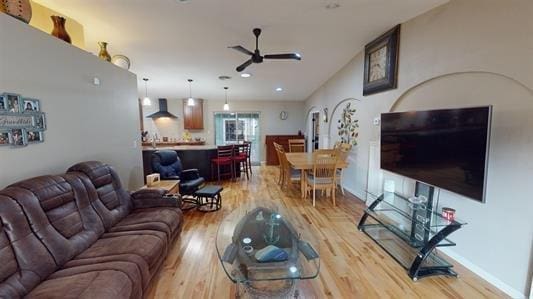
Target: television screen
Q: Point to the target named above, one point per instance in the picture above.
(445, 148)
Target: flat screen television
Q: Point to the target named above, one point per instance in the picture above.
(446, 148)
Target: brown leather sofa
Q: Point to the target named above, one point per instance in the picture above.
(81, 235)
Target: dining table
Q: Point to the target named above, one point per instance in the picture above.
(304, 162)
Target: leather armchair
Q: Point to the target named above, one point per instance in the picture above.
(168, 165)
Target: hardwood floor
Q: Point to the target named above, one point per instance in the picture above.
(352, 265)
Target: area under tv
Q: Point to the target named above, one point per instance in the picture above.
(410, 233)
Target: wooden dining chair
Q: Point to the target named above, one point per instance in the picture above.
(296, 145)
(323, 175)
(290, 175)
(279, 152)
(344, 151)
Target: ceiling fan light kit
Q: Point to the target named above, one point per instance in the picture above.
(256, 56)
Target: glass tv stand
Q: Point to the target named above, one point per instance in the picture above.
(410, 233)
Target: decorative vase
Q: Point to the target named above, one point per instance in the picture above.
(103, 52)
(20, 9)
(59, 30)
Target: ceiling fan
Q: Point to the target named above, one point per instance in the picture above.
(256, 56)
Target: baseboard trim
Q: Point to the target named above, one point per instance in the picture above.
(514, 293)
(362, 197)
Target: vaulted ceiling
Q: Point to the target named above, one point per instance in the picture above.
(170, 41)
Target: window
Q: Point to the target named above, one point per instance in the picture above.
(236, 127)
(233, 130)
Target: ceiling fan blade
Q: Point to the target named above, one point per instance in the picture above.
(294, 56)
(242, 50)
(241, 67)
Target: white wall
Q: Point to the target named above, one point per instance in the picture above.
(482, 49)
(85, 122)
(270, 123)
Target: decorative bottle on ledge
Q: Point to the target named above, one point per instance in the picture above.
(59, 30)
(103, 51)
(20, 9)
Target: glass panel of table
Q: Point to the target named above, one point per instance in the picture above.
(246, 231)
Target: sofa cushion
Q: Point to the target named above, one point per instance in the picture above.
(24, 261)
(149, 246)
(109, 199)
(123, 262)
(59, 210)
(167, 220)
(106, 284)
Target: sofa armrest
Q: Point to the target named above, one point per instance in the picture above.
(153, 198)
(190, 174)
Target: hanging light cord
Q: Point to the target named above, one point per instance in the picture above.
(226, 90)
(190, 88)
(145, 87)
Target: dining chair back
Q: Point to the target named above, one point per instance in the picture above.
(344, 152)
(296, 145)
(323, 175)
(280, 152)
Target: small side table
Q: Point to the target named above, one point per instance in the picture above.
(209, 198)
(171, 186)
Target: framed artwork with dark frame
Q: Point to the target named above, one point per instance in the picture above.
(381, 62)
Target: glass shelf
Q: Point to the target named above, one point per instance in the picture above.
(404, 207)
(399, 250)
(410, 233)
(395, 221)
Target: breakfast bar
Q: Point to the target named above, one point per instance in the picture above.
(191, 156)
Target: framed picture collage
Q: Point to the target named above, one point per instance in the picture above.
(21, 120)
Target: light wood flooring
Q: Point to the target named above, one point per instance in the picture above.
(352, 265)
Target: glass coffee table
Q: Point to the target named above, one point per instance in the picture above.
(262, 252)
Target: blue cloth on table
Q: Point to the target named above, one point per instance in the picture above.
(271, 253)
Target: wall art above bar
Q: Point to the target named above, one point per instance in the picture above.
(21, 120)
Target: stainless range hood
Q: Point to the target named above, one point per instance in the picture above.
(163, 111)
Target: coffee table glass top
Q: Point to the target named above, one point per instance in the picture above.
(261, 243)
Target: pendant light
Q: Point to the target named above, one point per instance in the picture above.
(146, 100)
(226, 105)
(190, 101)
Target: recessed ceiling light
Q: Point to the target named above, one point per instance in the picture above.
(333, 5)
(279, 89)
(246, 75)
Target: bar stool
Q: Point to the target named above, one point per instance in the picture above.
(249, 155)
(224, 157)
(242, 157)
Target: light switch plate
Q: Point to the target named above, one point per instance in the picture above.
(377, 121)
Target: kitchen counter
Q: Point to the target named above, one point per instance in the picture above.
(191, 156)
(180, 147)
(175, 143)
